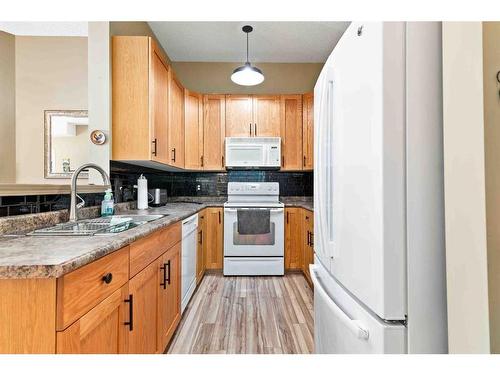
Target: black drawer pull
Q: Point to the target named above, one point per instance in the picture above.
(107, 278)
(130, 301)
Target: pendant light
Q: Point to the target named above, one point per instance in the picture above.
(247, 75)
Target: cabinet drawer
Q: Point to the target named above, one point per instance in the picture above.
(81, 290)
(146, 250)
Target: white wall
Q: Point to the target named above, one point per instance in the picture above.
(464, 171)
(99, 95)
(51, 74)
(7, 108)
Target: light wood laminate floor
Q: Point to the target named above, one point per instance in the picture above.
(247, 315)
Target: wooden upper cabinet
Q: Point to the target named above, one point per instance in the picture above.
(159, 105)
(213, 238)
(239, 117)
(193, 126)
(143, 289)
(100, 331)
(169, 295)
(130, 98)
(214, 120)
(291, 132)
(308, 131)
(176, 121)
(266, 115)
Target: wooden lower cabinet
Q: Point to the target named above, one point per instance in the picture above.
(100, 331)
(200, 256)
(293, 238)
(169, 295)
(143, 290)
(307, 243)
(213, 238)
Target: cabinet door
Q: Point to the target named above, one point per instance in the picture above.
(266, 115)
(293, 239)
(100, 331)
(176, 121)
(193, 126)
(239, 119)
(291, 132)
(130, 92)
(143, 289)
(200, 260)
(159, 105)
(214, 125)
(213, 238)
(307, 252)
(308, 131)
(169, 295)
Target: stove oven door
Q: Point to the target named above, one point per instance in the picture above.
(254, 245)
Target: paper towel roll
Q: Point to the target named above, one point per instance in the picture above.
(142, 193)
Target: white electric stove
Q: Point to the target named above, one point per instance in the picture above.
(253, 229)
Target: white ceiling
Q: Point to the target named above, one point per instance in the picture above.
(45, 28)
(269, 42)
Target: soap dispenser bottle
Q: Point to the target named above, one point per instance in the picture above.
(108, 204)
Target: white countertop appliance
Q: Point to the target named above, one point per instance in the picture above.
(188, 256)
(379, 273)
(253, 229)
(253, 152)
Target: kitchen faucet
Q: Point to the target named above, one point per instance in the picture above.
(73, 214)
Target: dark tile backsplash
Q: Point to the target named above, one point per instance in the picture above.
(32, 204)
(124, 177)
(208, 183)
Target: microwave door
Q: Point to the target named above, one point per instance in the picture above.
(245, 156)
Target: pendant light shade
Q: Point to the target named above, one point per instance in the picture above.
(247, 75)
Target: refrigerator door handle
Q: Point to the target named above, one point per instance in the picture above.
(355, 326)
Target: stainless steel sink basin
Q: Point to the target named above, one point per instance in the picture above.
(98, 226)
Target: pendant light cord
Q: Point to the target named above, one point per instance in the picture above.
(247, 48)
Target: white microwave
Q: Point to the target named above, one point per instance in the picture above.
(253, 152)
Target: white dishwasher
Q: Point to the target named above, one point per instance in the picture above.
(188, 264)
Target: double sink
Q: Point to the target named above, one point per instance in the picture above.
(101, 226)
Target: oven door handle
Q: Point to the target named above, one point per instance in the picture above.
(273, 210)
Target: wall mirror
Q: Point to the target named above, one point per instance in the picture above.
(66, 139)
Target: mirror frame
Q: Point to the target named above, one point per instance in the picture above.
(48, 141)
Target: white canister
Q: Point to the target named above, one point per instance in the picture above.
(142, 193)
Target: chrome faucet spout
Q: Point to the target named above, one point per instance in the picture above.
(73, 211)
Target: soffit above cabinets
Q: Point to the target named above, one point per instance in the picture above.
(45, 28)
(276, 42)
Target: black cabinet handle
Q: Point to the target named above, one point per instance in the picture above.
(282, 161)
(287, 217)
(255, 130)
(201, 158)
(250, 129)
(173, 154)
(168, 275)
(222, 161)
(107, 278)
(304, 161)
(200, 237)
(155, 144)
(312, 239)
(164, 283)
(130, 323)
(219, 217)
(308, 238)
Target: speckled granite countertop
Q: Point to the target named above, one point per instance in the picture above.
(45, 257)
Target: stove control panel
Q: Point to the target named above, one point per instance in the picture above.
(253, 188)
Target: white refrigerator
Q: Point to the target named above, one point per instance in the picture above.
(379, 270)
